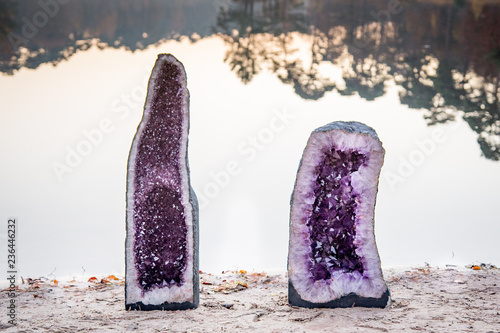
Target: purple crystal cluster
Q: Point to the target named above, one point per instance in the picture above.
(160, 246)
(331, 224)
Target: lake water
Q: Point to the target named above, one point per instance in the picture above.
(262, 75)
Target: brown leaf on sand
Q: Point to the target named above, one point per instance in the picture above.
(231, 287)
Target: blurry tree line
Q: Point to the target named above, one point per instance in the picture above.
(444, 55)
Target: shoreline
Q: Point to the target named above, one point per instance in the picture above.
(429, 299)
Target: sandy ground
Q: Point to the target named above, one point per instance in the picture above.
(424, 299)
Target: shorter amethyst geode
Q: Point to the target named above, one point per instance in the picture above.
(161, 248)
(333, 259)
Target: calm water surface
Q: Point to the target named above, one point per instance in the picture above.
(262, 75)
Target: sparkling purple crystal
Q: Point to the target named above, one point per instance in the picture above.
(160, 246)
(162, 211)
(331, 223)
(333, 259)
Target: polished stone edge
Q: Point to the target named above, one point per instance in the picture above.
(139, 306)
(349, 127)
(196, 247)
(350, 300)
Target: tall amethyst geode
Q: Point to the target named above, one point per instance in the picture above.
(161, 248)
(333, 259)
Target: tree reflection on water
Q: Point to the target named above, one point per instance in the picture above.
(444, 55)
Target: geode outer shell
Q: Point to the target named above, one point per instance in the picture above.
(161, 248)
(333, 259)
